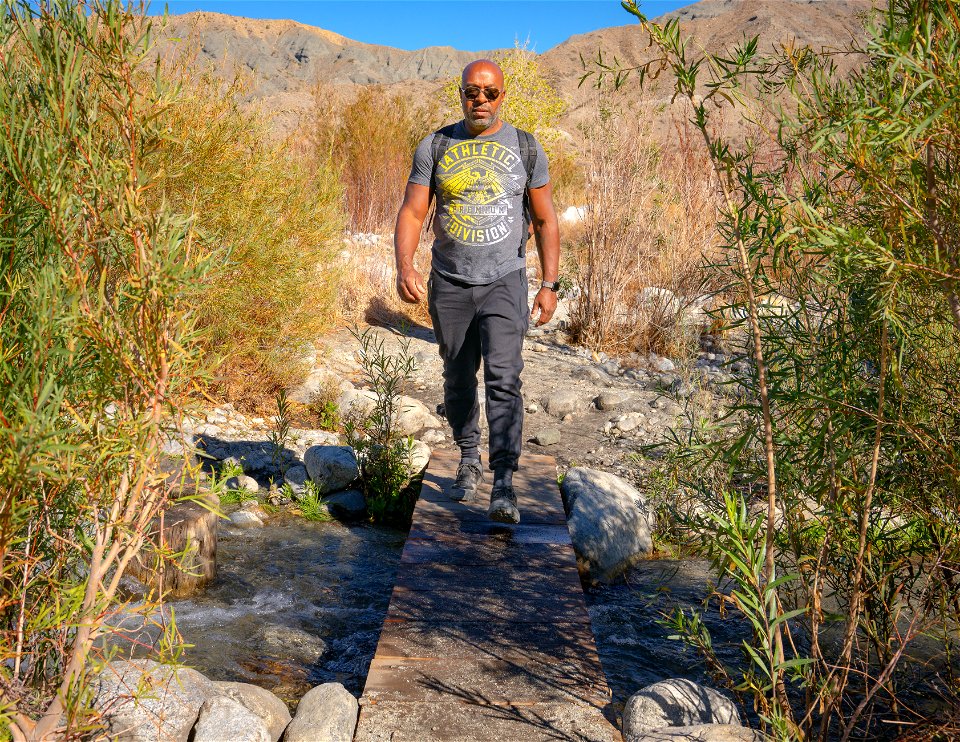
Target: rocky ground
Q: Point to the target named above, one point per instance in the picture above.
(583, 408)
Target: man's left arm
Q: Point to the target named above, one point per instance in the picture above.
(546, 230)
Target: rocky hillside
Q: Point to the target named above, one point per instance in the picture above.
(287, 59)
(715, 25)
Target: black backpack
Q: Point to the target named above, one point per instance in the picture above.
(528, 153)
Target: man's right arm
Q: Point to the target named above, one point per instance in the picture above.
(406, 237)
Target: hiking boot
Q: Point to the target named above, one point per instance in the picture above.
(503, 505)
(469, 477)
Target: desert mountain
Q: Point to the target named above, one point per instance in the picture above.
(285, 59)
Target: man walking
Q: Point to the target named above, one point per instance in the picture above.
(491, 183)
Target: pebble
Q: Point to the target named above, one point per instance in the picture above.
(533, 408)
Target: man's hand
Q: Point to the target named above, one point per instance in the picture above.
(546, 302)
(410, 286)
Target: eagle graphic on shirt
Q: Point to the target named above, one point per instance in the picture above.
(479, 182)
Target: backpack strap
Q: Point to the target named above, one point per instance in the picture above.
(438, 148)
(529, 154)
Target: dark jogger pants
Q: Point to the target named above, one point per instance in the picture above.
(488, 323)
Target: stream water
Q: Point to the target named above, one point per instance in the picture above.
(280, 588)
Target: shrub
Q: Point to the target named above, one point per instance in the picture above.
(370, 141)
(98, 349)
(274, 218)
(637, 258)
(851, 423)
(384, 454)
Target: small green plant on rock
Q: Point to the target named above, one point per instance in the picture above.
(311, 504)
(383, 452)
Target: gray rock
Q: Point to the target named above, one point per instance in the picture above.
(674, 703)
(243, 482)
(296, 477)
(357, 402)
(222, 718)
(562, 403)
(661, 364)
(347, 505)
(327, 713)
(612, 399)
(547, 437)
(264, 704)
(433, 437)
(143, 701)
(246, 519)
(419, 458)
(414, 416)
(332, 468)
(701, 733)
(293, 642)
(610, 524)
(628, 422)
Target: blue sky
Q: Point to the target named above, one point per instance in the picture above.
(471, 25)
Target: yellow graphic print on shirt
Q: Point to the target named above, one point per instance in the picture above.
(477, 181)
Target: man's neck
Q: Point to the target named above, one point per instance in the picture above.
(485, 132)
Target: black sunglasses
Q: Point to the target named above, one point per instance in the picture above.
(472, 92)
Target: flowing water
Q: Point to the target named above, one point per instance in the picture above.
(280, 588)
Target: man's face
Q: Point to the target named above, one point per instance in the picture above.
(480, 113)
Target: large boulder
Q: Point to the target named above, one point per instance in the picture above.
(223, 718)
(144, 701)
(332, 468)
(327, 713)
(264, 705)
(411, 415)
(675, 703)
(610, 524)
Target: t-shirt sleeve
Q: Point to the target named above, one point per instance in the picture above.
(541, 170)
(422, 171)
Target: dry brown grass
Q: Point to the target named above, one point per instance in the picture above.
(277, 217)
(370, 141)
(637, 258)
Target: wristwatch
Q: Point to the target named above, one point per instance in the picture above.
(554, 286)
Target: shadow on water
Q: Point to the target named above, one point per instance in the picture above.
(294, 604)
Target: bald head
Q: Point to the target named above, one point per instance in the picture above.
(481, 93)
(484, 68)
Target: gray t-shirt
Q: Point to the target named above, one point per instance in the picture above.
(479, 216)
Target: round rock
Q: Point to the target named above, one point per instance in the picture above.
(223, 718)
(264, 705)
(562, 403)
(167, 710)
(610, 524)
(674, 703)
(327, 712)
(547, 437)
(612, 399)
(245, 519)
(332, 468)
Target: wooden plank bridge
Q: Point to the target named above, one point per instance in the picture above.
(487, 636)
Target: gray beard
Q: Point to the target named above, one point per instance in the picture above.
(475, 123)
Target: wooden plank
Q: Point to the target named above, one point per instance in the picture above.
(498, 640)
(394, 721)
(488, 604)
(487, 681)
(442, 576)
(487, 636)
